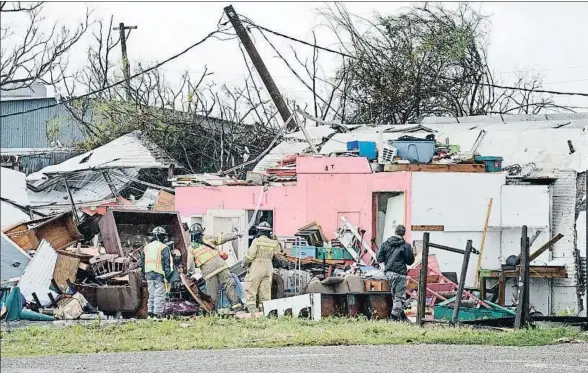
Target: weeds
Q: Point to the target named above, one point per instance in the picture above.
(219, 333)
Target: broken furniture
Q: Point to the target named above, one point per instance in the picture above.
(503, 276)
(119, 227)
(60, 231)
(336, 285)
(350, 296)
(114, 298)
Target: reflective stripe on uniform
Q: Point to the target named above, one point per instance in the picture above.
(202, 254)
(152, 253)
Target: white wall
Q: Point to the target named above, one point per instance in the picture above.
(459, 202)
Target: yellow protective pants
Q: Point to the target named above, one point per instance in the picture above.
(258, 283)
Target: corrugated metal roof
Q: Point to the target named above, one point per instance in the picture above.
(30, 130)
(13, 259)
(10, 215)
(133, 150)
(509, 119)
(14, 188)
(86, 187)
(521, 140)
(283, 149)
(38, 274)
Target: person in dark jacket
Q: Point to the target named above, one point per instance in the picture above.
(395, 254)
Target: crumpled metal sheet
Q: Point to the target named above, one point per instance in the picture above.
(38, 274)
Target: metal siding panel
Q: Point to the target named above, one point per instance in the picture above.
(563, 221)
(10, 255)
(38, 274)
(30, 130)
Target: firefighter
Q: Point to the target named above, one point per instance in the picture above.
(211, 262)
(157, 267)
(258, 281)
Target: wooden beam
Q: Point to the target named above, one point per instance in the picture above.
(428, 167)
(488, 211)
(542, 249)
(427, 228)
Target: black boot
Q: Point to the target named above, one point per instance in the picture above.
(393, 317)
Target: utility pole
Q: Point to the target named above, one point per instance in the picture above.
(260, 67)
(125, 60)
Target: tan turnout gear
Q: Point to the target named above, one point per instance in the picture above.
(214, 268)
(258, 282)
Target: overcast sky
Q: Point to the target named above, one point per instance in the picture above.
(550, 38)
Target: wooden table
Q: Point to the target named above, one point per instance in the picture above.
(547, 272)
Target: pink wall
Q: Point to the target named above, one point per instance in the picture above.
(327, 188)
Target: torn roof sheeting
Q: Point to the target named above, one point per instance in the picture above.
(519, 139)
(87, 187)
(294, 143)
(133, 150)
(38, 274)
(14, 192)
(13, 259)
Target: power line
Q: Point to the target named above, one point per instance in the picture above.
(298, 40)
(514, 88)
(446, 78)
(119, 82)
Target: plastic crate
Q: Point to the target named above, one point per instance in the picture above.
(446, 313)
(304, 251)
(493, 164)
(366, 149)
(333, 253)
(420, 151)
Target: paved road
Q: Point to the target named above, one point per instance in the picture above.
(373, 359)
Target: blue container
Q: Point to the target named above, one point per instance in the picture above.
(366, 149)
(415, 150)
(304, 251)
(493, 164)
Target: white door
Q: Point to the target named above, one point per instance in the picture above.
(220, 221)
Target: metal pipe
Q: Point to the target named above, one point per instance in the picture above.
(522, 306)
(452, 249)
(462, 279)
(422, 290)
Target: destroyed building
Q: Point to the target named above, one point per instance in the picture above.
(332, 193)
(543, 186)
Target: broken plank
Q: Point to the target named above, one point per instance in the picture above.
(66, 268)
(428, 167)
(427, 228)
(542, 249)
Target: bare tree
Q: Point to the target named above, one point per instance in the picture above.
(35, 55)
(206, 126)
(427, 60)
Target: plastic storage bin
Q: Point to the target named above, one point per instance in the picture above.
(493, 164)
(366, 149)
(304, 251)
(415, 150)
